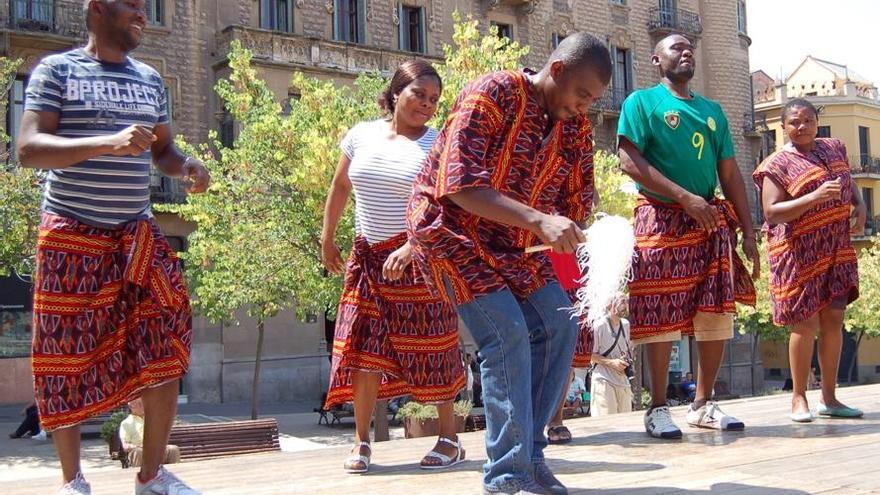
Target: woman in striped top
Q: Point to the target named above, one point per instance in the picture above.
(392, 338)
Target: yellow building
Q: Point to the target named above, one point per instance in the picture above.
(849, 109)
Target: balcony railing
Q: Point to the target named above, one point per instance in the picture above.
(865, 164)
(663, 21)
(165, 189)
(46, 16)
(754, 124)
(612, 100)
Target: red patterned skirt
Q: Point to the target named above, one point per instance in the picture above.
(680, 269)
(111, 317)
(396, 328)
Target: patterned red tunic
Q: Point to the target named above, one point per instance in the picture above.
(494, 138)
(812, 261)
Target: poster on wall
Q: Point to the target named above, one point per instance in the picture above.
(15, 317)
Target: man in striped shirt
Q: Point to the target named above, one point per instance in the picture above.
(112, 319)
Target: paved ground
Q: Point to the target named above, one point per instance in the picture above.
(610, 455)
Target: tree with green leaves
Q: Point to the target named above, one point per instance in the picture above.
(19, 198)
(861, 316)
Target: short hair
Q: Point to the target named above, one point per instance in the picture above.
(670, 35)
(798, 103)
(405, 74)
(584, 50)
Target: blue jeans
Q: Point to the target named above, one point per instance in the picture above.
(526, 347)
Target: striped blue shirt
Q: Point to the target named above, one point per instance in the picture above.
(382, 173)
(97, 98)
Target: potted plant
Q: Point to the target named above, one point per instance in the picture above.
(110, 432)
(419, 420)
(462, 409)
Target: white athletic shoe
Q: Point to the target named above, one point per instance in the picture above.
(658, 423)
(77, 486)
(711, 416)
(40, 437)
(165, 483)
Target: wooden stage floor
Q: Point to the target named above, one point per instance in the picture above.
(611, 455)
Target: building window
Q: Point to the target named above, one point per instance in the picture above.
(15, 317)
(823, 131)
(622, 79)
(618, 2)
(412, 28)
(227, 130)
(864, 146)
(504, 30)
(769, 143)
(668, 13)
(556, 39)
(34, 14)
(868, 198)
(349, 22)
(741, 16)
(13, 116)
(276, 15)
(155, 12)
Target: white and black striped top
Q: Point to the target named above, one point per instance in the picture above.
(95, 98)
(382, 172)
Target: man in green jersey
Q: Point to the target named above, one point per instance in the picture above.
(676, 145)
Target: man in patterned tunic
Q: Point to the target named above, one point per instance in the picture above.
(513, 167)
(112, 319)
(676, 145)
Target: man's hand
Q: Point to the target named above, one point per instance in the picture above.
(131, 141)
(750, 248)
(701, 211)
(195, 176)
(397, 262)
(618, 365)
(561, 233)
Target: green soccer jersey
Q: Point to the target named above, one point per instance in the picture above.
(683, 139)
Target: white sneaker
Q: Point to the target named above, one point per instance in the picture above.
(711, 416)
(41, 436)
(77, 486)
(658, 423)
(165, 483)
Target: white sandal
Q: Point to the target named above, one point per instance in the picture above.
(357, 457)
(445, 460)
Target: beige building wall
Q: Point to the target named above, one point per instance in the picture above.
(189, 50)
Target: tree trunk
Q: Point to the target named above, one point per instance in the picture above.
(852, 364)
(255, 389)
(755, 340)
(380, 421)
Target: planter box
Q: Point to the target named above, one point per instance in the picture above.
(429, 428)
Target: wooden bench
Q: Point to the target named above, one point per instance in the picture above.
(209, 440)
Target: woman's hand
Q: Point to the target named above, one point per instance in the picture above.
(397, 263)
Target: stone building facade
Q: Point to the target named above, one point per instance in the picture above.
(187, 42)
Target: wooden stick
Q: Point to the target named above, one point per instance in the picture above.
(538, 248)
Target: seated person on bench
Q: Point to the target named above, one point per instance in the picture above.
(131, 432)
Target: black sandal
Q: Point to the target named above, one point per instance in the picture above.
(560, 432)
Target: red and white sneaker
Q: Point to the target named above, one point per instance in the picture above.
(165, 483)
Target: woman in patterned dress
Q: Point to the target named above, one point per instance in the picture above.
(812, 206)
(392, 338)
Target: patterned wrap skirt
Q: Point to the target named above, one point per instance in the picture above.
(111, 317)
(680, 269)
(396, 328)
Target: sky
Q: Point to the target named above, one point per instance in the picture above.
(783, 32)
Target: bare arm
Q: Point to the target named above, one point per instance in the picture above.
(735, 190)
(635, 165)
(337, 197)
(39, 146)
(560, 232)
